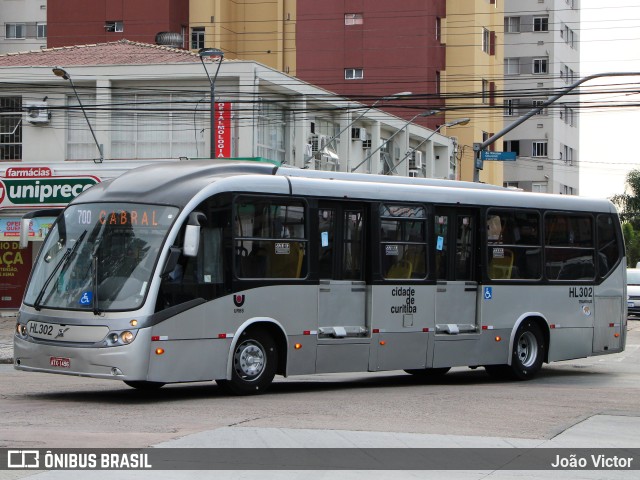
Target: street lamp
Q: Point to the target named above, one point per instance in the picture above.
(61, 72)
(453, 123)
(212, 53)
(423, 114)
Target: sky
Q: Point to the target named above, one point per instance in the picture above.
(609, 137)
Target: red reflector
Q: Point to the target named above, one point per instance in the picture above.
(425, 329)
(553, 325)
(222, 335)
(612, 325)
(376, 330)
(155, 339)
(307, 332)
(484, 327)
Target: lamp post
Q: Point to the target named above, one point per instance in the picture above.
(423, 114)
(212, 53)
(61, 72)
(453, 123)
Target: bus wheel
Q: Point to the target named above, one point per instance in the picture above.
(143, 385)
(526, 357)
(427, 373)
(255, 362)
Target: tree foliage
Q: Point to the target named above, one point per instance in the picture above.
(628, 203)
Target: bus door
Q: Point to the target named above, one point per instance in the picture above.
(342, 294)
(455, 245)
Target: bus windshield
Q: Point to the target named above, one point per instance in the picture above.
(99, 257)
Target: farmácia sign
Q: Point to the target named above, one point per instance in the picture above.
(43, 191)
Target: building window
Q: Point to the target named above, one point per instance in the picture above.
(114, 26)
(540, 24)
(438, 28)
(353, 19)
(510, 107)
(10, 128)
(353, 73)
(197, 38)
(511, 66)
(15, 30)
(539, 149)
(438, 85)
(539, 66)
(41, 30)
(511, 24)
(485, 91)
(154, 126)
(486, 40)
(539, 187)
(536, 104)
(272, 131)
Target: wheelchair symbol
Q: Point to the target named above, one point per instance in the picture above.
(488, 293)
(86, 298)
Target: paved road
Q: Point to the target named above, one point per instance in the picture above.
(592, 402)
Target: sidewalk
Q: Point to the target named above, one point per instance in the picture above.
(7, 326)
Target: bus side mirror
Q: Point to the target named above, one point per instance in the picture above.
(191, 242)
(25, 222)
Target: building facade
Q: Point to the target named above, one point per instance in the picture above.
(24, 25)
(75, 22)
(542, 58)
(472, 81)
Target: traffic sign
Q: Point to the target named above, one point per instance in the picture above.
(498, 156)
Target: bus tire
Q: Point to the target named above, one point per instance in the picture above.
(526, 357)
(427, 373)
(144, 385)
(254, 364)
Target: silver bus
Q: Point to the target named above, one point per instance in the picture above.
(238, 271)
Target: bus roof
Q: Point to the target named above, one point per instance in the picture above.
(176, 183)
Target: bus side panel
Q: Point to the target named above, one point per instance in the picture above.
(471, 350)
(189, 360)
(570, 343)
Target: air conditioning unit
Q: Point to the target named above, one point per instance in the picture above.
(318, 142)
(414, 173)
(415, 162)
(38, 112)
(358, 133)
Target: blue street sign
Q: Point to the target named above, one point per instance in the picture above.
(498, 156)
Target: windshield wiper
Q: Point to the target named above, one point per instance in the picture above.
(94, 281)
(64, 261)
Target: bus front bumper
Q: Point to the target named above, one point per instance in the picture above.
(128, 362)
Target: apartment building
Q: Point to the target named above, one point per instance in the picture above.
(24, 25)
(541, 58)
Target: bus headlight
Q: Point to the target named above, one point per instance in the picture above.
(21, 330)
(127, 337)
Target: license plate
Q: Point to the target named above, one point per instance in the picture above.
(42, 330)
(60, 362)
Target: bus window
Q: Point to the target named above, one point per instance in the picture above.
(569, 247)
(403, 242)
(608, 246)
(514, 245)
(270, 238)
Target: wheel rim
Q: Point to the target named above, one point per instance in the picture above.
(527, 349)
(250, 360)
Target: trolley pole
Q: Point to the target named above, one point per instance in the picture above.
(478, 148)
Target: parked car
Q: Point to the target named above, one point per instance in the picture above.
(633, 290)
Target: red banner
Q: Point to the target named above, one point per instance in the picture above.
(223, 130)
(15, 266)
